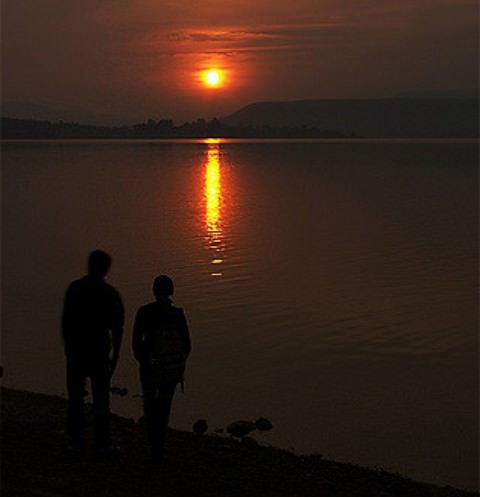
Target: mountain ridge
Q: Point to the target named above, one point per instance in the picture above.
(373, 118)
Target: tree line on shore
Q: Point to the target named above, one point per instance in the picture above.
(12, 128)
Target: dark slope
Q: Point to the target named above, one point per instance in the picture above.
(35, 463)
(375, 118)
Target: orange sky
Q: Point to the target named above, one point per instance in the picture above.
(129, 60)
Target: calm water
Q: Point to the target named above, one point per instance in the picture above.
(331, 287)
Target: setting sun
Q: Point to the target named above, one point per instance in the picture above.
(212, 78)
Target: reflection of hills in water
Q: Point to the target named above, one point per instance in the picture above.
(213, 206)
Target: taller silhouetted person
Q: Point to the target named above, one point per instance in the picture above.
(92, 329)
(161, 344)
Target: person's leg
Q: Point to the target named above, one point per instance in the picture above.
(75, 409)
(149, 406)
(100, 376)
(163, 404)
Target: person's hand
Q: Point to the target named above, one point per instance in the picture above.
(140, 356)
(113, 364)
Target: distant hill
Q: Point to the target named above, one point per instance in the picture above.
(466, 93)
(380, 118)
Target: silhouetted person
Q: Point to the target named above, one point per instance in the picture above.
(161, 344)
(92, 329)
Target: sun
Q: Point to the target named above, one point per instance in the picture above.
(212, 78)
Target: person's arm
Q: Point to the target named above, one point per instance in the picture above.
(138, 336)
(117, 330)
(183, 326)
(117, 334)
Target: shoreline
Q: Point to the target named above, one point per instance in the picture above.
(35, 462)
(239, 140)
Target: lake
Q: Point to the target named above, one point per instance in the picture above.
(331, 286)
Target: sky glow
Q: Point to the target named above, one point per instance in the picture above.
(124, 61)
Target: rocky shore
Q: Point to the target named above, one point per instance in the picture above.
(35, 462)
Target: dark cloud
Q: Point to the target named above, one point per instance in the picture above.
(223, 36)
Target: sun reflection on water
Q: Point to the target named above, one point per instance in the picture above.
(213, 206)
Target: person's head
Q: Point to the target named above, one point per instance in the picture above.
(99, 263)
(162, 287)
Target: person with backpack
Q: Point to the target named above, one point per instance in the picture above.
(161, 344)
(92, 329)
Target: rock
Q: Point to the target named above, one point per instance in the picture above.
(200, 426)
(263, 424)
(239, 429)
(249, 442)
(219, 430)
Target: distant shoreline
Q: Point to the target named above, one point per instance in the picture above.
(450, 114)
(21, 129)
(233, 140)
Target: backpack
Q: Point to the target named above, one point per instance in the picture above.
(166, 355)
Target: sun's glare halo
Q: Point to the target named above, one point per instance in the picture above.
(212, 78)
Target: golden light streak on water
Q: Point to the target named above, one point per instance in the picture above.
(213, 204)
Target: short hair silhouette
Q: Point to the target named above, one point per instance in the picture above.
(162, 286)
(99, 263)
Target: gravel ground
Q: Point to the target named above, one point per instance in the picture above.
(35, 462)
